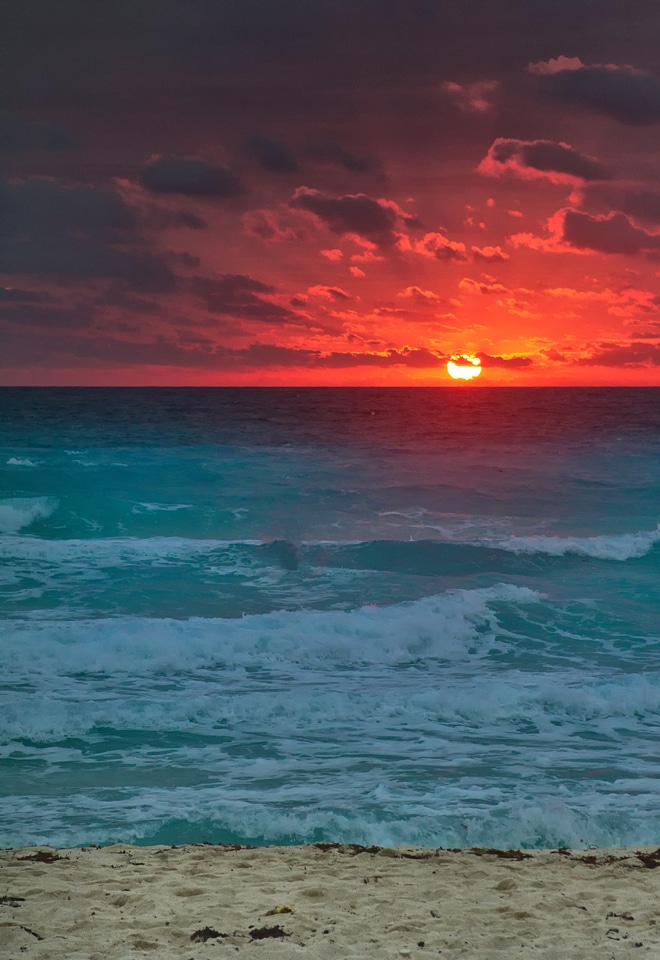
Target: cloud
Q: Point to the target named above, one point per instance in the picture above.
(267, 225)
(75, 231)
(520, 308)
(515, 363)
(19, 133)
(192, 176)
(489, 254)
(16, 295)
(45, 206)
(618, 91)
(334, 254)
(242, 297)
(374, 220)
(629, 355)
(439, 246)
(406, 356)
(58, 318)
(272, 155)
(573, 231)
(77, 259)
(334, 153)
(184, 218)
(328, 293)
(612, 234)
(619, 303)
(416, 293)
(471, 97)
(556, 65)
(533, 159)
(634, 200)
(485, 286)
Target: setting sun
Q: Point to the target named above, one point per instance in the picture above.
(464, 367)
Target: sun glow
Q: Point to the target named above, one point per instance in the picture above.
(464, 367)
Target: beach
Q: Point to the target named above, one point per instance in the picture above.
(325, 901)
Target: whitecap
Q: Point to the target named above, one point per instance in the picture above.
(16, 513)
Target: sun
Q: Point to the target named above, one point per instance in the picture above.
(464, 367)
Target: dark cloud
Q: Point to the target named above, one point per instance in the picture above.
(60, 318)
(542, 156)
(44, 206)
(638, 201)
(117, 296)
(192, 176)
(272, 155)
(442, 248)
(334, 153)
(76, 259)
(236, 295)
(375, 220)
(259, 354)
(75, 232)
(20, 133)
(16, 295)
(620, 92)
(314, 50)
(187, 219)
(612, 234)
(329, 293)
(418, 357)
(630, 355)
(229, 286)
(513, 363)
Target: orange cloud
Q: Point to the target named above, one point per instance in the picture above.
(486, 286)
(416, 293)
(489, 253)
(436, 245)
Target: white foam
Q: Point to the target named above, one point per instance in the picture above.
(21, 462)
(19, 512)
(450, 626)
(349, 812)
(160, 507)
(113, 551)
(623, 546)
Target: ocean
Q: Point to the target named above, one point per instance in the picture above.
(381, 616)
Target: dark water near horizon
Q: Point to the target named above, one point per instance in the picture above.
(398, 615)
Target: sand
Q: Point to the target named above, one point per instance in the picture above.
(327, 901)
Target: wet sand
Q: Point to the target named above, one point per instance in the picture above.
(327, 901)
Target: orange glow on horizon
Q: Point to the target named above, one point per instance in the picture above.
(464, 367)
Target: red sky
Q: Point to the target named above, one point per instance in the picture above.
(330, 192)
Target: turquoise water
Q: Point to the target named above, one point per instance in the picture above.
(380, 616)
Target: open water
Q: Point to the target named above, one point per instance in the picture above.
(383, 616)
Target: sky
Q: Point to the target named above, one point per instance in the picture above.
(329, 192)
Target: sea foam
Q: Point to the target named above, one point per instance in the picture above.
(623, 546)
(19, 512)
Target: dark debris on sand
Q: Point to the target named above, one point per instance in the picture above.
(43, 856)
(207, 933)
(262, 933)
(11, 901)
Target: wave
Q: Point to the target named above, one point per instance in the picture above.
(160, 507)
(423, 558)
(216, 813)
(22, 462)
(449, 626)
(17, 513)
(623, 546)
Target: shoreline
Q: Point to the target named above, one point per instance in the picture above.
(326, 901)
